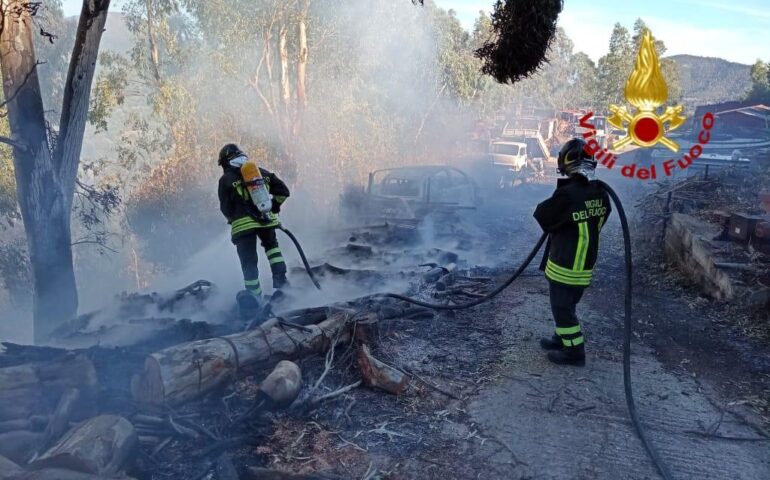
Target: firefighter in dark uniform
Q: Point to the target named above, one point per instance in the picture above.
(237, 207)
(573, 217)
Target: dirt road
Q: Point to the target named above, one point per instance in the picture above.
(535, 420)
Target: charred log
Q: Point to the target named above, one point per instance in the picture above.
(100, 446)
(187, 371)
(33, 388)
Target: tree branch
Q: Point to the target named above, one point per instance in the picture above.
(9, 141)
(427, 113)
(77, 92)
(258, 89)
(94, 242)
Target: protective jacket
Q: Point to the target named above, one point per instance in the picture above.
(573, 216)
(236, 205)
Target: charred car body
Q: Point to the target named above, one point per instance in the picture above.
(411, 193)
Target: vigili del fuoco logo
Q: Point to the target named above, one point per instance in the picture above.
(644, 126)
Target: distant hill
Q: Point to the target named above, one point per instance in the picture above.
(711, 80)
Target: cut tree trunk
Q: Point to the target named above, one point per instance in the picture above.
(184, 372)
(100, 446)
(35, 388)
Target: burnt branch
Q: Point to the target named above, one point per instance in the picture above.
(99, 240)
(50, 36)
(523, 30)
(31, 7)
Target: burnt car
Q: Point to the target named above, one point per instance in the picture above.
(414, 192)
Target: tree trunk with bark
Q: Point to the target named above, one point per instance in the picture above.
(283, 52)
(302, 60)
(154, 52)
(184, 372)
(46, 164)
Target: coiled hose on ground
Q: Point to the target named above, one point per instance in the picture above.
(628, 326)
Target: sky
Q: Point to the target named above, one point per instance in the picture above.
(736, 30)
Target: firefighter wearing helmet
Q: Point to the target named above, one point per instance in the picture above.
(573, 217)
(247, 222)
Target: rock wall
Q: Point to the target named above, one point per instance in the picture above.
(687, 245)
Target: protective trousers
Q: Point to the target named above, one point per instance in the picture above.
(564, 300)
(246, 245)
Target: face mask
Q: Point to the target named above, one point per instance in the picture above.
(585, 171)
(238, 161)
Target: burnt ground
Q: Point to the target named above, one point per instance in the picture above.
(484, 403)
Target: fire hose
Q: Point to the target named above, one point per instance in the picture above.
(301, 255)
(627, 330)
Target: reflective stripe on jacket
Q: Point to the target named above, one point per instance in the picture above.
(574, 217)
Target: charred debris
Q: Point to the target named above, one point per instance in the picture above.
(177, 388)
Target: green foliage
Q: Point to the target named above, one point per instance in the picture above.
(760, 83)
(9, 209)
(15, 274)
(615, 67)
(109, 90)
(15, 278)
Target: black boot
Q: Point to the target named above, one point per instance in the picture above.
(575, 356)
(249, 305)
(280, 281)
(553, 343)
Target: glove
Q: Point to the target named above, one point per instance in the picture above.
(276, 207)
